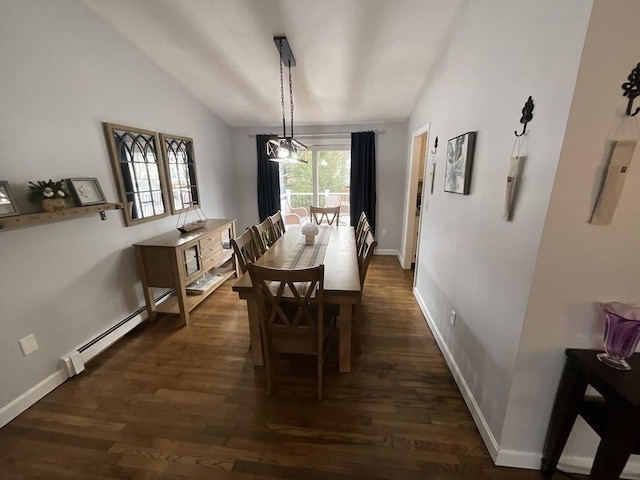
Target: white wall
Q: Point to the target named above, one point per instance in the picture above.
(470, 259)
(391, 152)
(62, 72)
(579, 263)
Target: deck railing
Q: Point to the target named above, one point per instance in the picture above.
(326, 199)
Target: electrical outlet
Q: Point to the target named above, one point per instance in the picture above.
(383, 232)
(28, 344)
(452, 318)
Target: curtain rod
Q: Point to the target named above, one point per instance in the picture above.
(322, 135)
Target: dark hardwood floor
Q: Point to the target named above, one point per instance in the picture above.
(186, 403)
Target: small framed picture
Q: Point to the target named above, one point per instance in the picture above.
(86, 191)
(457, 177)
(7, 202)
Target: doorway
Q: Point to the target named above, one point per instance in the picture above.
(416, 191)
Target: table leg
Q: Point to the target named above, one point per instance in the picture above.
(181, 295)
(616, 444)
(565, 410)
(345, 337)
(146, 289)
(254, 333)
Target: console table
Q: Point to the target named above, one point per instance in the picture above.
(181, 260)
(615, 417)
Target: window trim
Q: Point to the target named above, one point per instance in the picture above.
(165, 157)
(117, 172)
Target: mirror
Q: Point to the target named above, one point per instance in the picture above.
(180, 169)
(138, 172)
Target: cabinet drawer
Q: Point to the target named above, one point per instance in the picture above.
(213, 250)
(211, 262)
(212, 239)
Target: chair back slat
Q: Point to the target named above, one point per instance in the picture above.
(361, 237)
(288, 297)
(245, 249)
(278, 225)
(363, 217)
(264, 235)
(330, 215)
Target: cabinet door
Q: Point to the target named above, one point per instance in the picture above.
(191, 260)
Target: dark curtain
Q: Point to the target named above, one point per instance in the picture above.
(268, 180)
(363, 177)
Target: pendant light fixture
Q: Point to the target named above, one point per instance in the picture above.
(286, 149)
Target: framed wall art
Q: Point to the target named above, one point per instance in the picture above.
(457, 178)
(7, 202)
(86, 191)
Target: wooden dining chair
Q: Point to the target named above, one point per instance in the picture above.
(245, 249)
(291, 313)
(329, 214)
(278, 225)
(263, 235)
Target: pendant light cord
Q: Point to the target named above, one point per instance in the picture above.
(284, 127)
(290, 98)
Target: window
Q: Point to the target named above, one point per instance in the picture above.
(180, 167)
(324, 182)
(138, 172)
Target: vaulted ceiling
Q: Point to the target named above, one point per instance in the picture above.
(357, 60)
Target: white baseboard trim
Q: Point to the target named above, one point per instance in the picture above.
(503, 457)
(387, 251)
(486, 433)
(518, 459)
(582, 465)
(31, 396)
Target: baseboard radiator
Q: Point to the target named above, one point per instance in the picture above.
(75, 360)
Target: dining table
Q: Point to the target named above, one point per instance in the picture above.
(335, 248)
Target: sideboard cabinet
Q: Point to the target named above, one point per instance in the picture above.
(193, 264)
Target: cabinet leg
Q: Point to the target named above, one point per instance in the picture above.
(151, 304)
(182, 304)
(565, 410)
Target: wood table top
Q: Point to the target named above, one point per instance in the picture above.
(624, 384)
(341, 276)
(175, 238)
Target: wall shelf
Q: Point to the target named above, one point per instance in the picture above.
(17, 221)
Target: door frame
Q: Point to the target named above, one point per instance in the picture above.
(413, 176)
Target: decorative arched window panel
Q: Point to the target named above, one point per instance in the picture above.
(180, 168)
(138, 171)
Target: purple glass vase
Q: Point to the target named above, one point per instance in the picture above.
(621, 334)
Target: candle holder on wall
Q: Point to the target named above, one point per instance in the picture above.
(527, 116)
(632, 89)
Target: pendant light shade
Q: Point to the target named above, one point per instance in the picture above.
(285, 148)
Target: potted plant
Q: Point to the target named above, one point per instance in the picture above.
(51, 195)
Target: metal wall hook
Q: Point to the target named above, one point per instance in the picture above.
(527, 116)
(632, 89)
(435, 146)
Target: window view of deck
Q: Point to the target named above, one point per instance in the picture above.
(323, 182)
